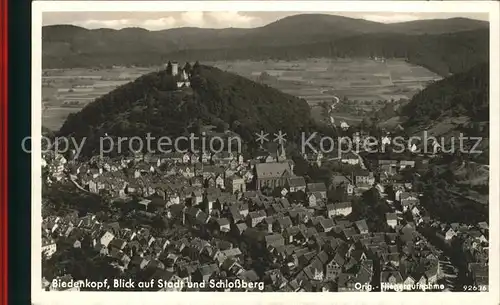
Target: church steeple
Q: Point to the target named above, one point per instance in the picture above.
(281, 154)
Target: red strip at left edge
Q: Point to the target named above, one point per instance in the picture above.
(3, 152)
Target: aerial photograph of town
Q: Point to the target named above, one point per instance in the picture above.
(265, 152)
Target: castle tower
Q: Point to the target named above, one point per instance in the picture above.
(175, 68)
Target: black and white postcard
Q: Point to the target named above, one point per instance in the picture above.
(278, 151)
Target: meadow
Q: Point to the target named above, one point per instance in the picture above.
(316, 80)
(362, 80)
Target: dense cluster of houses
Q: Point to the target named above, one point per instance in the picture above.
(308, 249)
(230, 221)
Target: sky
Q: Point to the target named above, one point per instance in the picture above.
(168, 20)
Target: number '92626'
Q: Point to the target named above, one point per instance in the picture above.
(473, 288)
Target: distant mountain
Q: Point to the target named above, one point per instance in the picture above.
(70, 46)
(150, 104)
(440, 53)
(438, 26)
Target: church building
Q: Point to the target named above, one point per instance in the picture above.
(272, 175)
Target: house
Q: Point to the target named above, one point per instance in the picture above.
(240, 228)
(219, 181)
(243, 209)
(106, 238)
(269, 221)
(144, 203)
(389, 163)
(205, 157)
(483, 226)
(387, 170)
(340, 208)
(347, 282)
(390, 280)
(450, 234)
(223, 224)
(314, 199)
(272, 175)
(391, 219)
(408, 200)
(118, 243)
(415, 212)
(403, 164)
(314, 271)
(408, 282)
(478, 236)
(256, 217)
(362, 226)
(414, 280)
(274, 240)
(49, 247)
(283, 223)
(293, 234)
(205, 272)
(326, 225)
(349, 158)
(235, 184)
(318, 187)
(479, 273)
(295, 184)
(339, 179)
(364, 179)
(432, 272)
(334, 268)
(350, 189)
(284, 191)
(349, 233)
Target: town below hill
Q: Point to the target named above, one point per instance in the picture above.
(294, 222)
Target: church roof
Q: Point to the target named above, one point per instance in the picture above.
(272, 170)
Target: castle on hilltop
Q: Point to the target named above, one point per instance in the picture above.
(182, 75)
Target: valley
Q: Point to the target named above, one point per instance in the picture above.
(362, 85)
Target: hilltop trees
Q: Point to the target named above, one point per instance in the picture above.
(152, 104)
(169, 68)
(188, 68)
(461, 94)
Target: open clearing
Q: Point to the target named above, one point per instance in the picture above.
(65, 91)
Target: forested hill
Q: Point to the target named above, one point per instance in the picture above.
(443, 54)
(151, 104)
(463, 94)
(443, 46)
(455, 107)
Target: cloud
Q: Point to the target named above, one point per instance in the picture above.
(390, 18)
(117, 23)
(194, 19)
(233, 19)
(181, 19)
(223, 19)
(159, 24)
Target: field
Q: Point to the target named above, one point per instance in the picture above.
(321, 80)
(67, 91)
(316, 80)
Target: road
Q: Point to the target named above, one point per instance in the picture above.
(361, 161)
(450, 272)
(79, 186)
